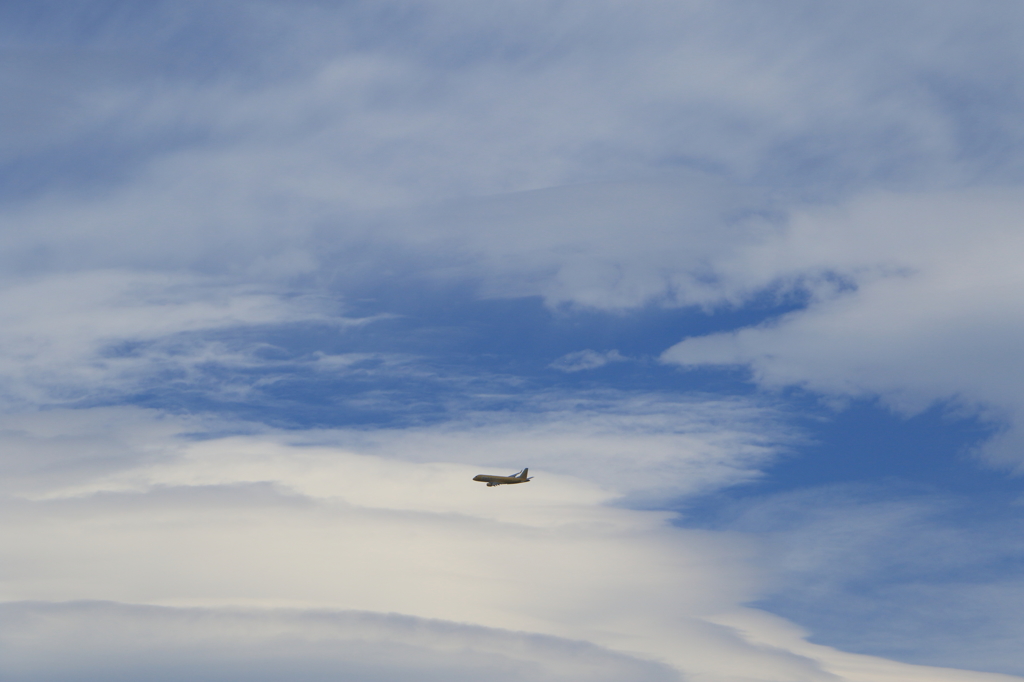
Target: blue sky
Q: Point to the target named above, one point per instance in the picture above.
(739, 282)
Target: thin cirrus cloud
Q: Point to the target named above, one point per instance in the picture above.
(77, 335)
(581, 360)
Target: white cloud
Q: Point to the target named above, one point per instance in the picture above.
(257, 524)
(253, 523)
(932, 311)
(291, 148)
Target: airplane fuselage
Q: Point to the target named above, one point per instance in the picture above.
(492, 481)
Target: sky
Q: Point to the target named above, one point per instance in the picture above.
(740, 283)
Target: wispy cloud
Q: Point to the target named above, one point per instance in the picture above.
(586, 359)
(96, 334)
(886, 561)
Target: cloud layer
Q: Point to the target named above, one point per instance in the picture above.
(252, 522)
(196, 198)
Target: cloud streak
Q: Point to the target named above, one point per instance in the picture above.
(581, 360)
(104, 640)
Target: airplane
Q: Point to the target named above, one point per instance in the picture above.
(504, 480)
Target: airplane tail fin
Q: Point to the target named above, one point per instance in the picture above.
(524, 472)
